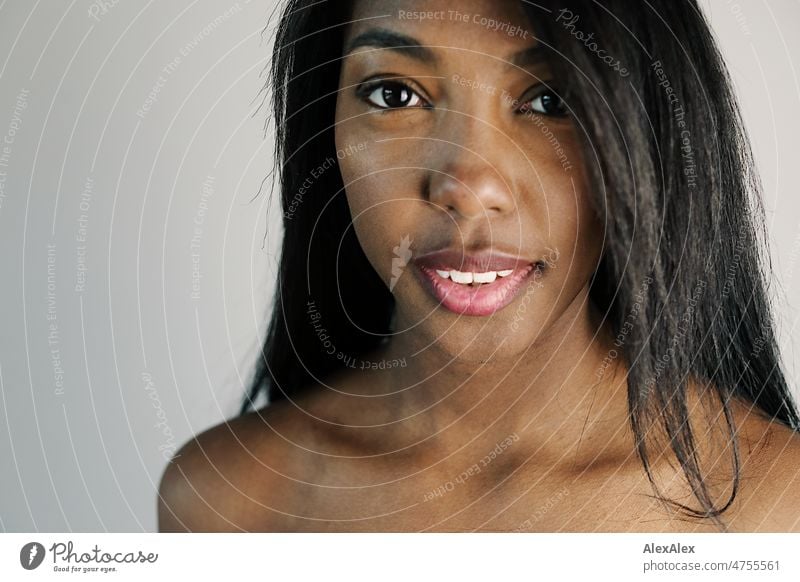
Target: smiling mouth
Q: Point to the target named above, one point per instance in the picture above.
(476, 293)
(475, 279)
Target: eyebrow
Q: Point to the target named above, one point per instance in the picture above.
(387, 39)
(528, 57)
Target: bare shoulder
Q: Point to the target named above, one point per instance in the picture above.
(235, 476)
(769, 499)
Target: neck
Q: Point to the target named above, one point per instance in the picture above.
(563, 391)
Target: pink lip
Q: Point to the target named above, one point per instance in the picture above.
(476, 262)
(479, 300)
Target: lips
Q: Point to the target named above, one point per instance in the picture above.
(476, 299)
(477, 262)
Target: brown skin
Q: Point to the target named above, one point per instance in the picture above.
(365, 451)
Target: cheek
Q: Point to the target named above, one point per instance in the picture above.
(590, 230)
(382, 193)
(572, 226)
(382, 207)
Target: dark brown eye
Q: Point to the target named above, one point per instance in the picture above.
(546, 102)
(392, 95)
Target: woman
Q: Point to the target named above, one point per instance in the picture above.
(521, 285)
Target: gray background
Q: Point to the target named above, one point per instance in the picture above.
(100, 383)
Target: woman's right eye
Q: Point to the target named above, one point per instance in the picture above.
(392, 95)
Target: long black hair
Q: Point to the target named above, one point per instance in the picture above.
(682, 280)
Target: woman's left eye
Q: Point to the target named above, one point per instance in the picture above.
(392, 95)
(547, 103)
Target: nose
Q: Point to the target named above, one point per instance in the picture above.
(468, 178)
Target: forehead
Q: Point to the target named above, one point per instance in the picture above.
(493, 27)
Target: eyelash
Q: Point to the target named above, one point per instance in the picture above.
(367, 90)
(541, 91)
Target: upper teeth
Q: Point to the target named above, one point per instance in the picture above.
(468, 278)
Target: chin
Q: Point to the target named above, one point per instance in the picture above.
(505, 334)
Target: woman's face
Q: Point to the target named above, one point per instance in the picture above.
(452, 137)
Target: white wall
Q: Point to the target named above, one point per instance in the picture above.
(762, 48)
(136, 349)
